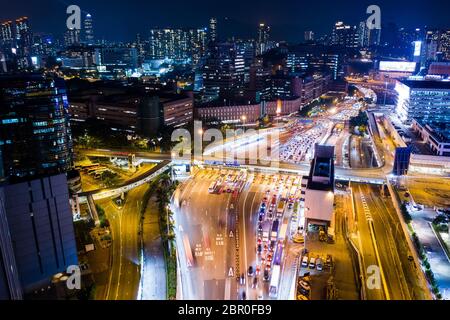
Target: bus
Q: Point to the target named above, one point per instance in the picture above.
(278, 254)
(274, 281)
(212, 187)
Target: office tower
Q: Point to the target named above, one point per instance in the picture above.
(212, 30)
(37, 237)
(24, 39)
(88, 30)
(35, 132)
(309, 36)
(423, 99)
(71, 37)
(263, 38)
(219, 71)
(345, 35)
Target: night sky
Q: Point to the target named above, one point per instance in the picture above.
(121, 20)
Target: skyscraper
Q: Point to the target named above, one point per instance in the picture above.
(72, 37)
(35, 134)
(212, 32)
(220, 78)
(36, 230)
(309, 36)
(6, 32)
(177, 44)
(24, 41)
(345, 35)
(263, 38)
(88, 29)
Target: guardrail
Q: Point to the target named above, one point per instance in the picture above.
(129, 185)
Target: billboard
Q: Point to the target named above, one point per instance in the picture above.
(417, 48)
(397, 66)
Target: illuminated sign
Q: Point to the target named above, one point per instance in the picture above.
(417, 48)
(397, 66)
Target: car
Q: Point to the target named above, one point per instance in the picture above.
(250, 271)
(266, 275)
(260, 296)
(265, 200)
(312, 263)
(258, 270)
(270, 216)
(259, 248)
(319, 265)
(260, 218)
(244, 295)
(260, 228)
(259, 241)
(266, 247)
(305, 262)
(269, 257)
(255, 283)
(242, 280)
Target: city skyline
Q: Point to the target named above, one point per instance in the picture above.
(288, 20)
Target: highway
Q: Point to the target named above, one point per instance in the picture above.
(383, 243)
(125, 269)
(203, 219)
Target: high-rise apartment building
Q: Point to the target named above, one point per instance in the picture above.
(177, 44)
(212, 31)
(88, 29)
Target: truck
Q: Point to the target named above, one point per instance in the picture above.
(280, 208)
(283, 231)
(274, 233)
(265, 231)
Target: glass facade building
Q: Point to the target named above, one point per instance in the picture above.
(35, 133)
(423, 99)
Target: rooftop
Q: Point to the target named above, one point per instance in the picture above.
(427, 84)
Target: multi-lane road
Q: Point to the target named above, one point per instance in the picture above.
(382, 243)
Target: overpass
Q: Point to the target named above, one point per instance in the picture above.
(368, 175)
(98, 194)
